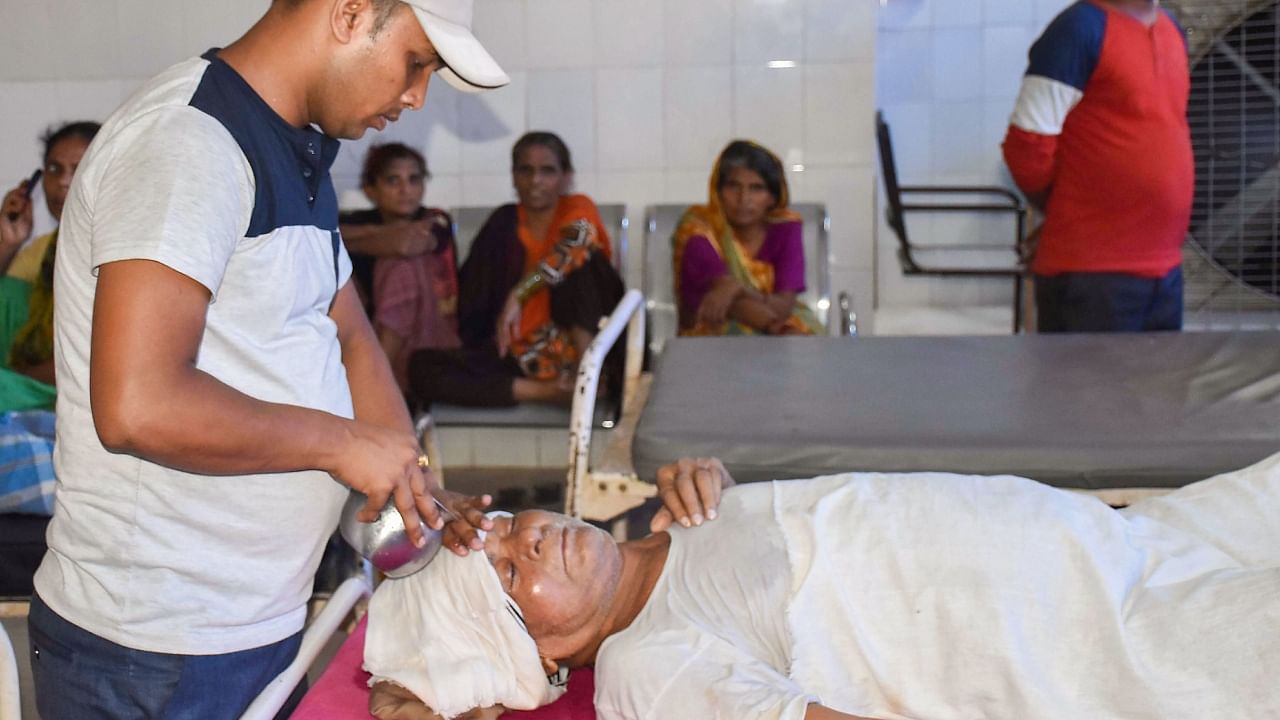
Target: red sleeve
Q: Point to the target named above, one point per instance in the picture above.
(1031, 158)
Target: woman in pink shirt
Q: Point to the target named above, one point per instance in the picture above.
(413, 293)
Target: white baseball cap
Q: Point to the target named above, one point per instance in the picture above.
(468, 66)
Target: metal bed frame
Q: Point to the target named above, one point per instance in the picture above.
(986, 200)
(608, 489)
(10, 705)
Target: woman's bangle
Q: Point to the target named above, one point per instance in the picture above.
(531, 284)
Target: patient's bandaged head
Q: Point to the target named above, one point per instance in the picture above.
(450, 635)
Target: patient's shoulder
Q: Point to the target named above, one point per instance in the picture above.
(388, 701)
(631, 672)
(687, 675)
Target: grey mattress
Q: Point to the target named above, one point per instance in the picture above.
(1078, 411)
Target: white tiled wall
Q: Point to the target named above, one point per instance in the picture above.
(947, 74)
(79, 59)
(645, 94)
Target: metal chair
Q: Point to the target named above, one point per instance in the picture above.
(602, 485)
(985, 199)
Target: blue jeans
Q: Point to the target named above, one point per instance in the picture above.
(80, 675)
(1108, 302)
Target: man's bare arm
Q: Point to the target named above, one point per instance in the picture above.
(392, 342)
(150, 400)
(378, 401)
(374, 391)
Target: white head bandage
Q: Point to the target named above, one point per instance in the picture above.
(450, 635)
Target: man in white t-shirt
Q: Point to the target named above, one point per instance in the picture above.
(895, 596)
(219, 386)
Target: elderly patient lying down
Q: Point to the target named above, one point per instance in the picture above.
(861, 595)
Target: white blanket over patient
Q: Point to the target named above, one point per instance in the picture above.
(949, 597)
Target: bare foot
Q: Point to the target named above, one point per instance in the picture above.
(546, 391)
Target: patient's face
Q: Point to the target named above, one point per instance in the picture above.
(560, 571)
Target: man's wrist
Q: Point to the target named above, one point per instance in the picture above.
(334, 439)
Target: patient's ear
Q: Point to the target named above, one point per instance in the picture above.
(549, 666)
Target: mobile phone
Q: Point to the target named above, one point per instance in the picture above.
(31, 187)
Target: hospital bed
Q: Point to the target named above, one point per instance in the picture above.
(1117, 415)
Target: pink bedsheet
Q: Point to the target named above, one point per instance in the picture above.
(342, 692)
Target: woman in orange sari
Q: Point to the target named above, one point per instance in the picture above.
(536, 282)
(739, 259)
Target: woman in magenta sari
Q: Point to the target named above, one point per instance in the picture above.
(739, 259)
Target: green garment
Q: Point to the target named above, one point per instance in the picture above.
(17, 391)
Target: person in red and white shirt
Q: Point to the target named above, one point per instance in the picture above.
(1099, 141)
